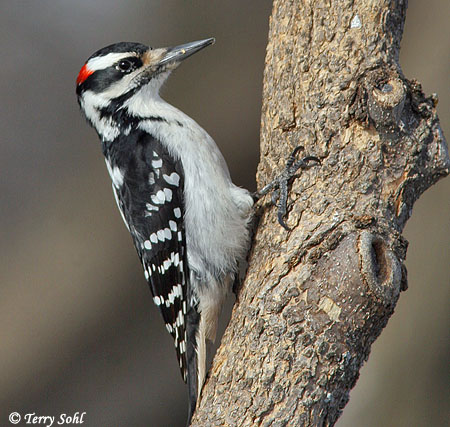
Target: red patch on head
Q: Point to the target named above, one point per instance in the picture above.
(84, 73)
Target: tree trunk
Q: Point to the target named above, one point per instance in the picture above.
(316, 298)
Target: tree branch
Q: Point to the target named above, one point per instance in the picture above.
(316, 298)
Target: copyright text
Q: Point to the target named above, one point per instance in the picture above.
(47, 420)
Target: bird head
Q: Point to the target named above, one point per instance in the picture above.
(117, 72)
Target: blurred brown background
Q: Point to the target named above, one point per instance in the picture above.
(78, 329)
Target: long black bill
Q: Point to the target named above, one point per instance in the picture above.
(183, 51)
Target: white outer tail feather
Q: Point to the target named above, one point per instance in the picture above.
(210, 307)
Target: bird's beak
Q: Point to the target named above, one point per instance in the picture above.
(179, 53)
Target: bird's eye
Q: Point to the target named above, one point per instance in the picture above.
(125, 66)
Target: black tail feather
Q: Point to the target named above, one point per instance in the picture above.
(192, 324)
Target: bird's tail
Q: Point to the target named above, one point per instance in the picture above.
(201, 325)
(192, 327)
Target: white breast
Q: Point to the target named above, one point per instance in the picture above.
(216, 211)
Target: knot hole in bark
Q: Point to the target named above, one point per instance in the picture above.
(380, 267)
(385, 105)
(379, 261)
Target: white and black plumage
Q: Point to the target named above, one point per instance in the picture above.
(188, 221)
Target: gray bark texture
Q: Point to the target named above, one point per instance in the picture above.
(315, 298)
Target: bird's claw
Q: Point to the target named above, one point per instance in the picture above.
(279, 186)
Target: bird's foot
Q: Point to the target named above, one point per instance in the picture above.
(279, 186)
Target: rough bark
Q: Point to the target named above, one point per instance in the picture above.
(316, 298)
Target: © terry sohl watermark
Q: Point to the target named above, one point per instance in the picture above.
(47, 420)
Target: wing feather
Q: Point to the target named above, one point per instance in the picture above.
(150, 199)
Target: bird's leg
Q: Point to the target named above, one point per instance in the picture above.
(279, 186)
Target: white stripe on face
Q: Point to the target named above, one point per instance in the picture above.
(108, 60)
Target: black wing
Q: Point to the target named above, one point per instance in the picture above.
(151, 202)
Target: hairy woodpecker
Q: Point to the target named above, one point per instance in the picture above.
(189, 223)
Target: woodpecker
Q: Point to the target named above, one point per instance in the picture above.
(189, 223)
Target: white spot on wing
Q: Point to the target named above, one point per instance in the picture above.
(157, 163)
(176, 260)
(167, 234)
(168, 194)
(154, 239)
(167, 263)
(151, 207)
(151, 178)
(160, 234)
(177, 212)
(158, 198)
(147, 245)
(173, 225)
(175, 292)
(172, 179)
(180, 318)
